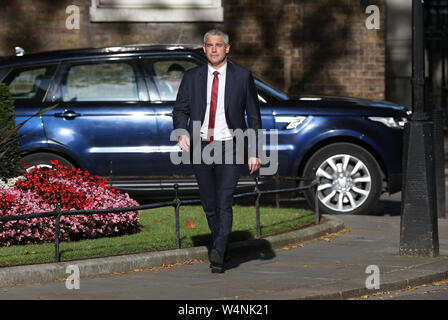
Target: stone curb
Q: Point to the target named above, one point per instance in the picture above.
(125, 263)
(389, 286)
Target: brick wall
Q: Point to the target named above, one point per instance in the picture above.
(316, 46)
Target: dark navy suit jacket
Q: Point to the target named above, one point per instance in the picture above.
(240, 98)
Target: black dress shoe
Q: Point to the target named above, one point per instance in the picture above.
(216, 261)
(227, 258)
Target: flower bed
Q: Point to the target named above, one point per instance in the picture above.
(36, 192)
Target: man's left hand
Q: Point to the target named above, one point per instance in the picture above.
(254, 164)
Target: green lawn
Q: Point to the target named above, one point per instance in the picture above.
(158, 233)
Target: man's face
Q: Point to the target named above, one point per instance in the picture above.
(216, 50)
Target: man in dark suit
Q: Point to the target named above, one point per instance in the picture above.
(214, 98)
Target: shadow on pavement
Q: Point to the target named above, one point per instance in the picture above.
(387, 207)
(259, 249)
(236, 261)
(240, 252)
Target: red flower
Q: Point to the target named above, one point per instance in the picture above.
(74, 189)
(10, 197)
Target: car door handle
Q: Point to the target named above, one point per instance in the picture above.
(67, 114)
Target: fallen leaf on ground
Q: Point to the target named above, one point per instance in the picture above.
(190, 224)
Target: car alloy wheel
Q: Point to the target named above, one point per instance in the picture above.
(38, 166)
(349, 179)
(344, 183)
(43, 160)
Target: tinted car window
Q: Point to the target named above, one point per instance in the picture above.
(100, 81)
(31, 83)
(167, 75)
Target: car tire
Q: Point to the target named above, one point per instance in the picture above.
(349, 179)
(43, 159)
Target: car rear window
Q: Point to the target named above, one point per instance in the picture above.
(30, 83)
(100, 81)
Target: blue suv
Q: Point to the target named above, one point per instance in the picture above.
(113, 117)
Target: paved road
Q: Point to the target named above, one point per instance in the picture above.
(319, 267)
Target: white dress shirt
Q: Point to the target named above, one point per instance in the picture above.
(221, 131)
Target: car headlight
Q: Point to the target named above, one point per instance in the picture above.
(397, 123)
(293, 122)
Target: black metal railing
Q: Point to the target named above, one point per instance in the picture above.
(176, 203)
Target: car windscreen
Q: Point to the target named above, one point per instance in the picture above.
(267, 94)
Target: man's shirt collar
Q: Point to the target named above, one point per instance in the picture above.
(222, 70)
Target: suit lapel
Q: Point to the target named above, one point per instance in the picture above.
(203, 86)
(228, 90)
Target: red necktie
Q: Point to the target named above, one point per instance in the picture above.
(213, 104)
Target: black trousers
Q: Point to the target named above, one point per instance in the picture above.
(217, 183)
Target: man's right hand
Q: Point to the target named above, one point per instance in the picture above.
(184, 143)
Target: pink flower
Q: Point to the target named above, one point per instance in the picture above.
(25, 198)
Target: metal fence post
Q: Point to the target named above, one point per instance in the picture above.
(257, 208)
(176, 213)
(111, 173)
(57, 256)
(277, 186)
